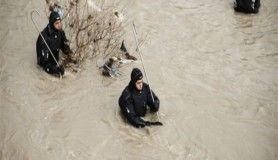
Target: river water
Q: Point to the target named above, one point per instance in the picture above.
(214, 70)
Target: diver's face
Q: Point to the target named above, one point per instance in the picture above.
(58, 25)
(139, 84)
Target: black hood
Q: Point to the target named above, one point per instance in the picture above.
(136, 75)
(54, 16)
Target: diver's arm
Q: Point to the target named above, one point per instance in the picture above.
(65, 47)
(152, 100)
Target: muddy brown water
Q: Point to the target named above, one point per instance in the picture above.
(214, 70)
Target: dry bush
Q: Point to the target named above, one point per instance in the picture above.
(93, 28)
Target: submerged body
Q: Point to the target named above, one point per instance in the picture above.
(56, 40)
(135, 98)
(247, 6)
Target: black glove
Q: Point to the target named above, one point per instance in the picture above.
(140, 125)
(61, 70)
(147, 123)
(156, 123)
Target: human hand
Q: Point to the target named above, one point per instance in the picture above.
(61, 70)
(147, 123)
(156, 123)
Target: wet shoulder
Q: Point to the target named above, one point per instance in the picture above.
(145, 86)
(126, 91)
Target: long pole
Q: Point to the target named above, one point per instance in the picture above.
(142, 61)
(141, 57)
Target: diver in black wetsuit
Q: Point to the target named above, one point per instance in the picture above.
(134, 101)
(247, 6)
(56, 40)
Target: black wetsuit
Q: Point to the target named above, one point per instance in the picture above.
(247, 6)
(134, 104)
(56, 40)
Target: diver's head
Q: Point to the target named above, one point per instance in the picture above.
(55, 21)
(137, 79)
